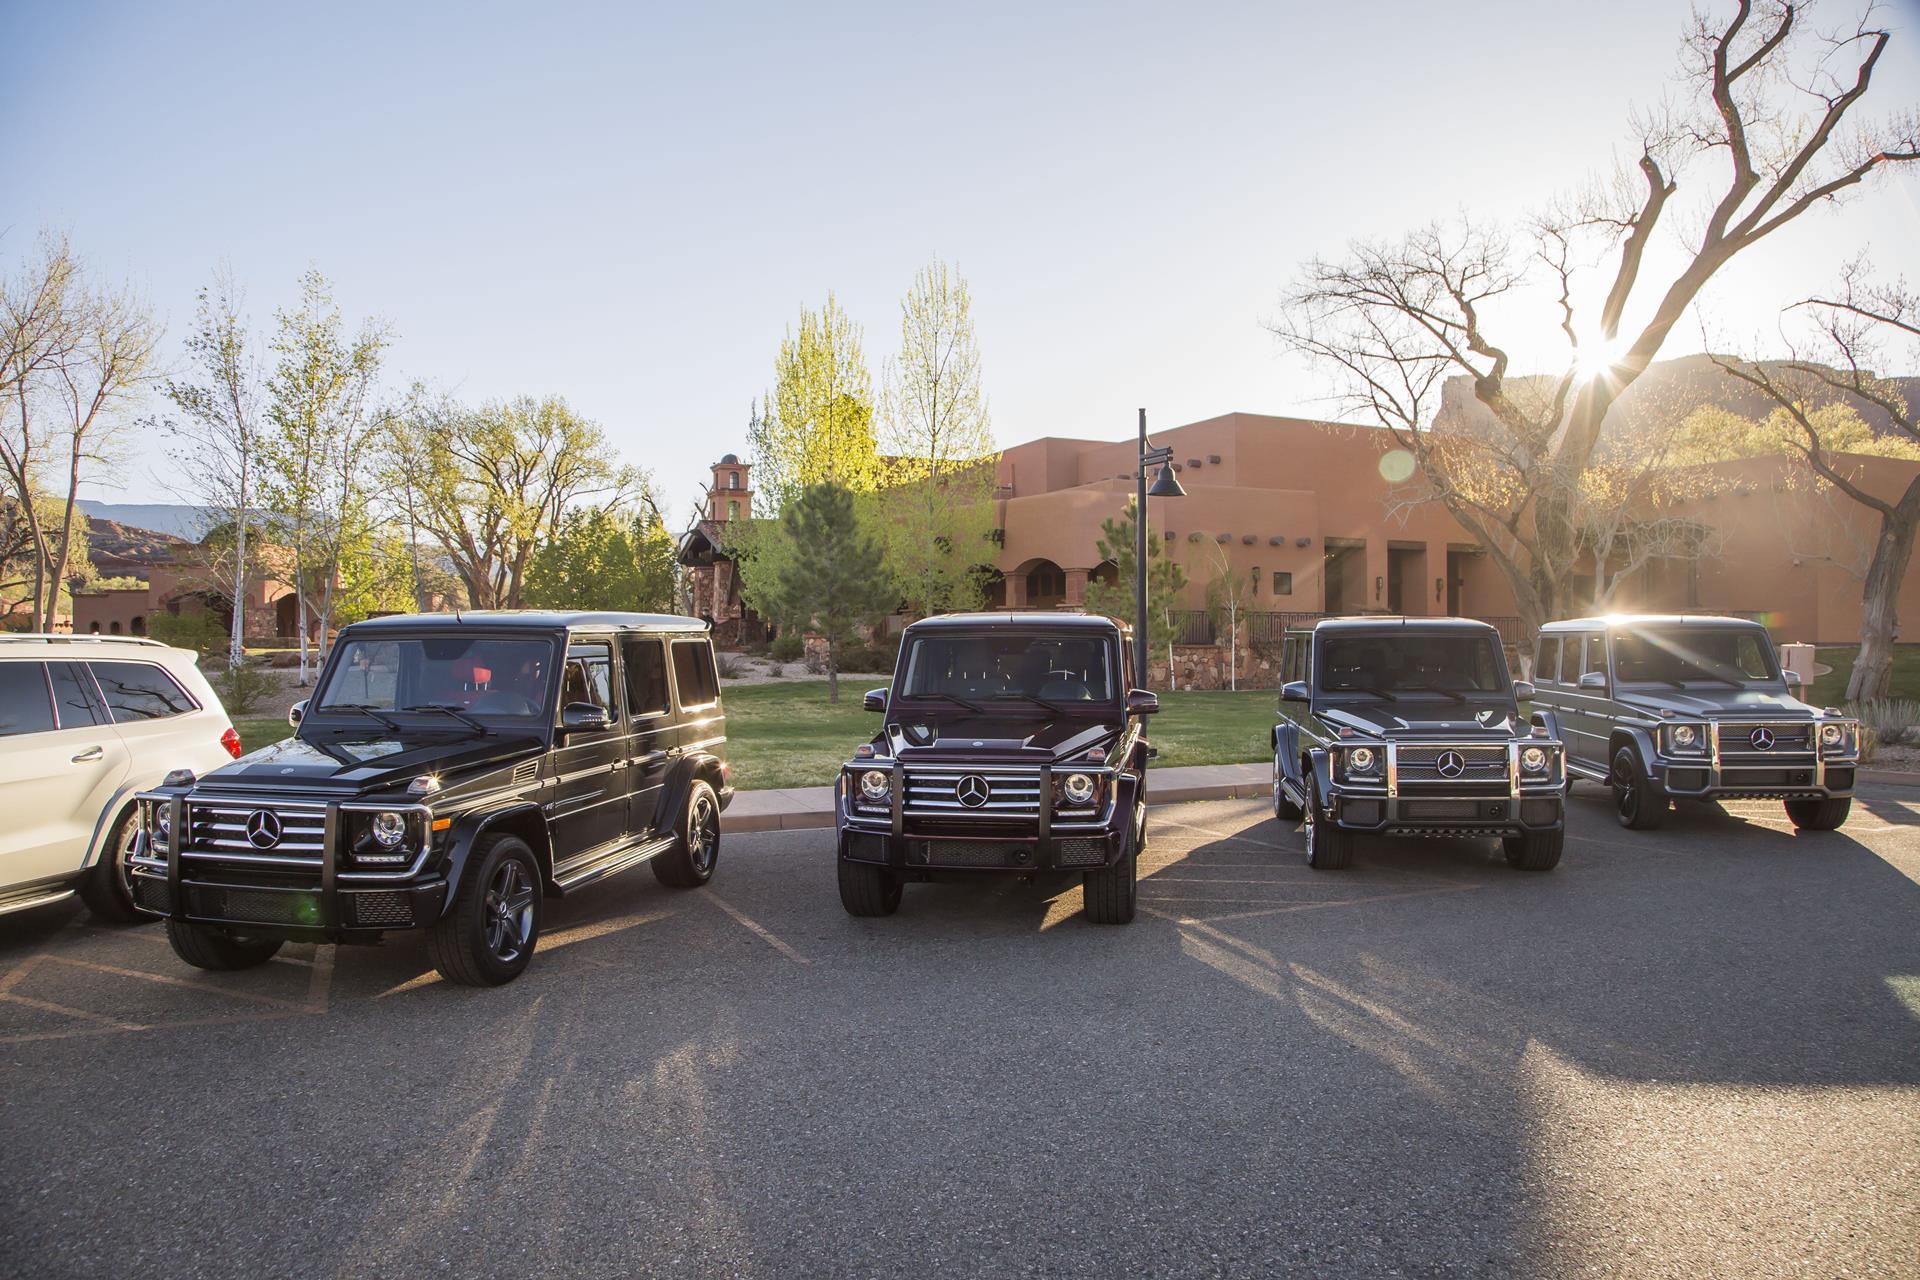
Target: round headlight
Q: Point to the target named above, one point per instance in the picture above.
(1685, 735)
(1534, 759)
(389, 828)
(162, 813)
(1831, 735)
(1078, 788)
(1360, 759)
(874, 784)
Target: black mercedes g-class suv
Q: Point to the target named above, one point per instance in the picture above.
(1010, 744)
(1660, 707)
(1411, 727)
(449, 772)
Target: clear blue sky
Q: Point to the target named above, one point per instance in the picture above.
(628, 204)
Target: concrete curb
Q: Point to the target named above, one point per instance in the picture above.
(1892, 777)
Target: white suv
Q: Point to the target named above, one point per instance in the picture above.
(86, 722)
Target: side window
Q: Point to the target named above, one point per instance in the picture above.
(589, 676)
(646, 675)
(1752, 658)
(1546, 664)
(73, 702)
(140, 691)
(693, 673)
(1596, 657)
(25, 706)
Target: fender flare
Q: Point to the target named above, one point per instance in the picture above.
(1639, 740)
(1322, 764)
(469, 827)
(681, 775)
(1548, 719)
(110, 814)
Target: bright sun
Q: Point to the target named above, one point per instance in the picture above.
(1597, 355)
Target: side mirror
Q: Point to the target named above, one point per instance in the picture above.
(876, 700)
(297, 712)
(1523, 690)
(1793, 678)
(1141, 702)
(584, 717)
(1594, 680)
(1295, 691)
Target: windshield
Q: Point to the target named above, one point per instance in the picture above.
(1411, 662)
(1052, 668)
(1677, 655)
(476, 675)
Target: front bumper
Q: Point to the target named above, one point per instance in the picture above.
(908, 842)
(1448, 815)
(1706, 779)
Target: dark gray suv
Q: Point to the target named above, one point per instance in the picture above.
(1660, 707)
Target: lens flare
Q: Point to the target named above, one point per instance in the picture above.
(1396, 466)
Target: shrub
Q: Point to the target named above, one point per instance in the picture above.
(732, 666)
(787, 647)
(1891, 722)
(194, 631)
(243, 688)
(871, 657)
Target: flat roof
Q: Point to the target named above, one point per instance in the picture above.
(1367, 622)
(1023, 618)
(1664, 619)
(533, 620)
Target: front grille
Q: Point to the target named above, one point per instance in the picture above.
(151, 892)
(1081, 853)
(386, 909)
(1792, 743)
(866, 847)
(1001, 795)
(1440, 809)
(971, 853)
(214, 828)
(1485, 771)
(1766, 778)
(255, 906)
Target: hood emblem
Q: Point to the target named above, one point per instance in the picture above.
(263, 828)
(971, 791)
(1761, 738)
(1451, 764)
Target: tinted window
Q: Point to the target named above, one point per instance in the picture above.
(24, 705)
(1010, 664)
(646, 675)
(1402, 662)
(476, 675)
(1546, 665)
(1680, 655)
(1596, 656)
(71, 700)
(589, 676)
(140, 691)
(693, 672)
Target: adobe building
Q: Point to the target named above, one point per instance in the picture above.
(178, 580)
(712, 584)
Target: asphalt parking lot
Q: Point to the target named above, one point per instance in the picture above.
(1695, 1052)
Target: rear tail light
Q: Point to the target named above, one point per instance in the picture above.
(231, 741)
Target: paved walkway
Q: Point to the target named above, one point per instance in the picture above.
(801, 807)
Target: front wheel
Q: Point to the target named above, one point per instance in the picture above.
(867, 890)
(696, 842)
(107, 889)
(1534, 850)
(1638, 804)
(1819, 815)
(205, 949)
(1110, 895)
(1328, 847)
(486, 939)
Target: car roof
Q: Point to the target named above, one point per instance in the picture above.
(1636, 619)
(40, 645)
(1382, 622)
(530, 620)
(1021, 618)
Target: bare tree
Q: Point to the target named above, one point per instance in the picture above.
(1769, 135)
(1859, 327)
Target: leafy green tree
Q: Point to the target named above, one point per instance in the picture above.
(1165, 581)
(606, 560)
(818, 566)
(818, 426)
(940, 469)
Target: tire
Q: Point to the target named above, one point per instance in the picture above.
(1328, 847)
(106, 889)
(1110, 895)
(1535, 850)
(205, 949)
(867, 890)
(1819, 815)
(1283, 808)
(487, 938)
(696, 842)
(1638, 804)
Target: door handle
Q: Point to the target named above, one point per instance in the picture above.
(91, 753)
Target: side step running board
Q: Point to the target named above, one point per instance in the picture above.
(31, 900)
(613, 863)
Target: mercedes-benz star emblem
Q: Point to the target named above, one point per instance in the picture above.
(1451, 764)
(971, 791)
(263, 828)
(1761, 738)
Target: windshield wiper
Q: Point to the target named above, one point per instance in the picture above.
(365, 710)
(1035, 699)
(1428, 688)
(1381, 694)
(455, 712)
(948, 697)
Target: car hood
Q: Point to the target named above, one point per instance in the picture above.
(1450, 720)
(1717, 703)
(974, 738)
(352, 765)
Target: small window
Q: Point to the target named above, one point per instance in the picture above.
(646, 675)
(1282, 583)
(693, 673)
(72, 701)
(25, 706)
(1546, 663)
(140, 691)
(733, 479)
(1596, 655)
(589, 676)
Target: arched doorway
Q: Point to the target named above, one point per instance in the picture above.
(1046, 584)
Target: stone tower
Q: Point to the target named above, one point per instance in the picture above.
(732, 496)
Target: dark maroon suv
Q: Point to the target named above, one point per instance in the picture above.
(1010, 745)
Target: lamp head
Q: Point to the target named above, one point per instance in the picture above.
(1166, 485)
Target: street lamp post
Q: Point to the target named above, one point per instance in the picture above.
(1165, 485)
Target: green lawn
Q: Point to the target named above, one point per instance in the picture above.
(1831, 689)
(787, 735)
